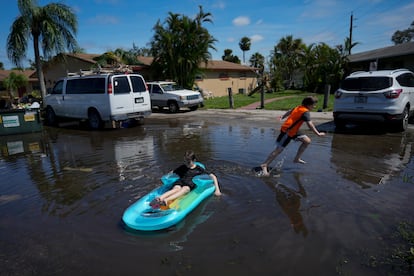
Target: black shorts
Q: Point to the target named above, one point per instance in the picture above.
(284, 139)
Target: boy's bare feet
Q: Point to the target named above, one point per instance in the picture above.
(300, 161)
(264, 170)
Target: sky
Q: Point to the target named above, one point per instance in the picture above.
(105, 25)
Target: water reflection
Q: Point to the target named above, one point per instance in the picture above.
(369, 161)
(21, 144)
(289, 200)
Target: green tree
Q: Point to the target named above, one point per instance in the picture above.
(228, 56)
(244, 45)
(322, 65)
(109, 59)
(1, 66)
(403, 36)
(137, 51)
(13, 82)
(179, 46)
(348, 45)
(286, 58)
(51, 27)
(257, 60)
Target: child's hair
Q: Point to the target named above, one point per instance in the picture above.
(189, 156)
(310, 100)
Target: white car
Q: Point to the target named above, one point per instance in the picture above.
(384, 96)
(169, 94)
(99, 99)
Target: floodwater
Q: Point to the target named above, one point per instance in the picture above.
(63, 192)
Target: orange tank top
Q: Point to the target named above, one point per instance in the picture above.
(294, 121)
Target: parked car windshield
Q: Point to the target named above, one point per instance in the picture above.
(171, 87)
(366, 83)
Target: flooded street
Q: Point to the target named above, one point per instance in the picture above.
(63, 193)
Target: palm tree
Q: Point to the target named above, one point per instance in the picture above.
(257, 60)
(349, 45)
(53, 27)
(244, 45)
(228, 56)
(179, 46)
(13, 82)
(290, 52)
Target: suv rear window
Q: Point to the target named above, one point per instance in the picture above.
(366, 83)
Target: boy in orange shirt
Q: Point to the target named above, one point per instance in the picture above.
(290, 130)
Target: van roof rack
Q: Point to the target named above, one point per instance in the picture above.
(123, 69)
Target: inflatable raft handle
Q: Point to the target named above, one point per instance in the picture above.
(169, 178)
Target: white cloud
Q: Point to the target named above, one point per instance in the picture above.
(256, 38)
(219, 5)
(241, 21)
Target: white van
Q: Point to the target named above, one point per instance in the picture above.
(99, 99)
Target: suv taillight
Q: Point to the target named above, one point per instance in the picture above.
(393, 94)
(109, 88)
(338, 94)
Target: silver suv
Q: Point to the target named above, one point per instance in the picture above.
(385, 96)
(169, 94)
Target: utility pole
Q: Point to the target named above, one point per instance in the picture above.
(350, 33)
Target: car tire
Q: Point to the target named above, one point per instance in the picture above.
(94, 119)
(50, 117)
(402, 124)
(173, 107)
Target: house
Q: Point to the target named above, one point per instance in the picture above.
(392, 57)
(33, 83)
(217, 77)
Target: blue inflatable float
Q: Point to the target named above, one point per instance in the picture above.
(141, 216)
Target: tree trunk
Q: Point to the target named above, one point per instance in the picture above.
(39, 69)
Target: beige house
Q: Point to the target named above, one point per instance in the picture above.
(217, 77)
(63, 64)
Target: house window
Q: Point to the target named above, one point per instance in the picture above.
(223, 76)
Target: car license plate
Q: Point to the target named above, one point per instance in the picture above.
(139, 100)
(360, 99)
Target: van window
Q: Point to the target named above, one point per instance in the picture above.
(86, 86)
(138, 84)
(121, 85)
(58, 88)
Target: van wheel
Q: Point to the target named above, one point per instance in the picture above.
(95, 121)
(173, 107)
(50, 117)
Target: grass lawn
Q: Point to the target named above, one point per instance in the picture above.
(289, 99)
